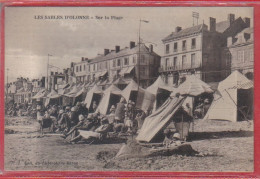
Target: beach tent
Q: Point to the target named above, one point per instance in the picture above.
(234, 100)
(161, 91)
(130, 90)
(110, 97)
(94, 94)
(192, 86)
(158, 85)
(120, 83)
(41, 94)
(53, 98)
(73, 96)
(160, 118)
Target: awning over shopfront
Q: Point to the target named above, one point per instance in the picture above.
(127, 70)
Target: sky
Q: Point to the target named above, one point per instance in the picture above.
(30, 36)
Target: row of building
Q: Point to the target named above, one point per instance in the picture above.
(210, 52)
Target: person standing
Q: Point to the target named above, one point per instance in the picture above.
(120, 109)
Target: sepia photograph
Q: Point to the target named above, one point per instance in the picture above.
(167, 89)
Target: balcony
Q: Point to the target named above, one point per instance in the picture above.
(176, 68)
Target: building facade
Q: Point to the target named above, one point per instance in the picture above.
(198, 50)
(239, 53)
(120, 63)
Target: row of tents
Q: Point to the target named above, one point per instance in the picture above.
(232, 98)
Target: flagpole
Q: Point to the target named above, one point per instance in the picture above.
(139, 44)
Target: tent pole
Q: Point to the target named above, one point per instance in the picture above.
(182, 126)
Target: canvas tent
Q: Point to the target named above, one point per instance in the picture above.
(127, 93)
(40, 94)
(157, 85)
(192, 86)
(235, 93)
(159, 119)
(161, 91)
(53, 98)
(110, 97)
(73, 96)
(94, 93)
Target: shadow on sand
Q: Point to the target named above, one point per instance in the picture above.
(219, 135)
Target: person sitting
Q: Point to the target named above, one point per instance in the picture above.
(111, 116)
(74, 117)
(63, 121)
(99, 133)
(118, 126)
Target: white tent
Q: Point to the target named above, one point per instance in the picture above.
(40, 94)
(107, 100)
(132, 86)
(225, 106)
(53, 94)
(95, 90)
(157, 85)
(192, 86)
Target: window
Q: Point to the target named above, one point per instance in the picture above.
(142, 59)
(114, 63)
(175, 62)
(88, 67)
(106, 64)
(80, 68)
(94, 67)
(193, 43)
(240, 56)
(228, 60)
(184, 61)
(84, 67)
(175, 47)
(167, 48)
(134, 59)
(193, 58)
(77, 68)
(118, 62)
(126, 61)
(251, 55)
(167, 62)
(184, 45)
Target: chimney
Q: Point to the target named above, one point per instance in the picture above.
(178, 29)
(231, 18)
(117, 48)
(132, 44)
(106, 51)
(212, 24)
(82, 59)
(247, 21)
(151, 48)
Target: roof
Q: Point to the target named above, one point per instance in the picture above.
(122, 52)
(222, 26)
(186, 32)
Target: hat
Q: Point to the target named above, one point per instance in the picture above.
(67, 108)
(176, 136)
(90, 116)
(117, 118)
(78, 103)
(104, 119)
(206, 100)
(61, 111)
(73, 109)
(81, 117)
(113, 107)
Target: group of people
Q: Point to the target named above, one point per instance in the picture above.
(78, 122)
